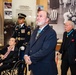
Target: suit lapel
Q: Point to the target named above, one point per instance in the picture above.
(64, 38)
(32, 40)
(71, 37)
(42, 32)
(23, 26)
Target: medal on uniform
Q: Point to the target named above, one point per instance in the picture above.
(18, 38)
(22, 30)
(28, 33)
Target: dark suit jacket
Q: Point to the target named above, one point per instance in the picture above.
(42, 52)
(69, 47)
(13, 56)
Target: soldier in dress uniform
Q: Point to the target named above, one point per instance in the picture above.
(22, 34)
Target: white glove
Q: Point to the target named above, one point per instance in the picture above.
(22, 48)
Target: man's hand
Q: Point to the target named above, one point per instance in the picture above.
(2, 56)
(22, 48)
(27, 59)
(1, 64)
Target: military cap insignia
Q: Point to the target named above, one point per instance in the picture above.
(21, 15)
(28, 33)
(22, 30)
(17, 27)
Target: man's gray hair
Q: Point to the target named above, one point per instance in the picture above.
(72, 23)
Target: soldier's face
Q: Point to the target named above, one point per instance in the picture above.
(20, 21)
(12, 41)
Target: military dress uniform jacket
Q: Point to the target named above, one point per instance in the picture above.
(22, 34)
(42, 52)
(69, 47)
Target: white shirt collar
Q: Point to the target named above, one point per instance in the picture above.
(42, 27)
(21, 24)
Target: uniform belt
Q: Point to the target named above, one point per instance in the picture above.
(18, 38)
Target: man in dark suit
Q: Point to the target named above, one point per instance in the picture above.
(8, 54)
(68, 49)
(40, 52)
(22, 33)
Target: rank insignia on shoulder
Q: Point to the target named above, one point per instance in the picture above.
(16, 28)
(28, 33)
